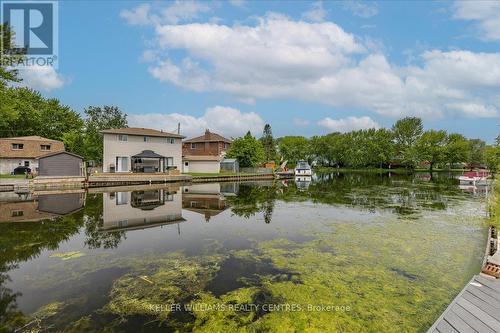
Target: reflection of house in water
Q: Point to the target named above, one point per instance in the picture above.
(141, 209)
(479, 191)
(207, 199)
(42, 207)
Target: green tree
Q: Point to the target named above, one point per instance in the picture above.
(27, 112)
(97, 119)
(247, 150)
(294, 148)
(268, 143)
(431, 147)
(476, 153)
(407, 132)
(457, 149)
(491, 157)
(10, 55)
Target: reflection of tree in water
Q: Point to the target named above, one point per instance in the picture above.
(401, 194)
(93, 221)
(23, 241)
(254, 198)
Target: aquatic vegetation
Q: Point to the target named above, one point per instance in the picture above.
(68, 255)
(170, 279)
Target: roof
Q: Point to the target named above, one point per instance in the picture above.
(201, 158)
(209, 137)
(142, 132)
(60, 152)
(31, 138)
(32, 147)
(148, 154)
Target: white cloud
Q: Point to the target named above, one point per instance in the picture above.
(317, 13)
(473, 110)
(41, 77)
(361, 9)
(238, 3)
(137, 16)
(300, 122)
(223, 120)
(174, 13)
(348, 124)
(279, 58)
(486, 14)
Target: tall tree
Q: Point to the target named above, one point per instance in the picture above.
(407, 132)
(492, 157)
(432, 147)
(247, 150)
(10, 55)
(268, 143)
(476, 155)
(457, 149)
(293, 148)
(97, 119)
(27, 112)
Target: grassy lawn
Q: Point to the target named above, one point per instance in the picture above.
(13, 176)
(494, 205)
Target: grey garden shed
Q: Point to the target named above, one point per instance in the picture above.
(61, 163)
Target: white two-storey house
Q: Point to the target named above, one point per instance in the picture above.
(141, 150)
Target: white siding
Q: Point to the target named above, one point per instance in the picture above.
(204, 166)
(7, 165)
(114, 148)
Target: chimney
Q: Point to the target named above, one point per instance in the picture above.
(178, 128)
(207, 134)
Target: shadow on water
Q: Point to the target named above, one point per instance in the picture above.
(239, 272)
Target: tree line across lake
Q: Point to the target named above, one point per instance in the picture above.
(406, 145)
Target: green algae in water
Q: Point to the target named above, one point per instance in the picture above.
(68, 255)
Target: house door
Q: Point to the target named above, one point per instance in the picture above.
(186, 167)
(122, 164)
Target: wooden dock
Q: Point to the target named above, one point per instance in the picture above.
(475, 309)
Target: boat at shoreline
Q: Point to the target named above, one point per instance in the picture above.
(476, 178)
(303, 169)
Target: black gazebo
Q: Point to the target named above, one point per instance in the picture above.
(142, 162)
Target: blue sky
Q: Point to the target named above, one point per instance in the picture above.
(306, 68)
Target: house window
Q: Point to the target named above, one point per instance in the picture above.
(17, 213)
(44, 147)
(121, 198)
(122, 137)
(226, 145)
(171, 140)
(193, 146)
(170, 161)
(17, 146)
(26, 163)
(147, 139)
(186, 163)
(169, 197)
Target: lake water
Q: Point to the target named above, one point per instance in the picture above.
(343, 253)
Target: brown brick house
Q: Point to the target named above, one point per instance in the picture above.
(24, 151)
(207, 144)
(204, 153)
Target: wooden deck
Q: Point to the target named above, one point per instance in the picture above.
(475, 309)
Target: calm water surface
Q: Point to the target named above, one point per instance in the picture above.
(343, 253)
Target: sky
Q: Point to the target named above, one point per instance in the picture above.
(306, 68)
